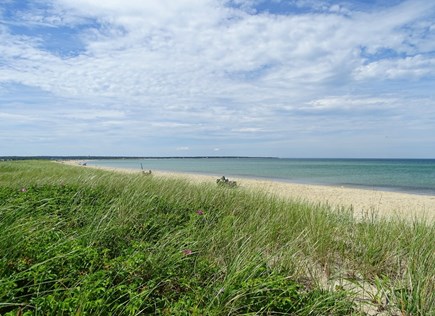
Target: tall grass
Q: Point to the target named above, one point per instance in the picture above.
(85, 241)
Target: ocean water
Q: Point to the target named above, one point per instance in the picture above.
(404, 175)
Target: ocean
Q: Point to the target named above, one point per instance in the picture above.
(415, 176)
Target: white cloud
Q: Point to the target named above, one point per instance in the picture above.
(406, 68)
(247, 130)
(193, 48)
(199, 68)
(352, 102)
(183, 148)
(87, 114)
(16, 118)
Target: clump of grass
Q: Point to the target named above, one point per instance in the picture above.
(85, 241)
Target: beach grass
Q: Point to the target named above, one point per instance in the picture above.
(91, 242)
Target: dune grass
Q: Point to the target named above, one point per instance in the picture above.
(90, 242)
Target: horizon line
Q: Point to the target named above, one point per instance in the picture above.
(95, 157)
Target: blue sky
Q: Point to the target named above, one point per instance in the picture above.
(295, 78)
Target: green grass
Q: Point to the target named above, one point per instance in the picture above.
(88, 242)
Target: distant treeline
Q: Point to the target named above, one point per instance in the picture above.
(3, 158)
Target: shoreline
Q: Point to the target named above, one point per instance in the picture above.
(362, 201)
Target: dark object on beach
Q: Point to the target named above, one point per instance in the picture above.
(147, 173)
(226, 182)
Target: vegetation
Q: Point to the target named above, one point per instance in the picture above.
(226, 182)
(87, 242)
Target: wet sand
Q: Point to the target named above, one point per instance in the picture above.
(363, 201)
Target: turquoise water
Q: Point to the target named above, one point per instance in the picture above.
(405, 175)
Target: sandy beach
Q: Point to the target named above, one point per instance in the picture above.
(383, 203)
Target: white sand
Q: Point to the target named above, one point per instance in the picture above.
(384, 203)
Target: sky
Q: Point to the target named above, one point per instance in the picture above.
(282, 78)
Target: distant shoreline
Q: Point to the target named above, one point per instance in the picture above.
(362, 201)
(132, 157)
(192, 157)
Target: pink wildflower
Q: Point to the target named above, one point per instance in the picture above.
(187, 252)
(200, 212)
